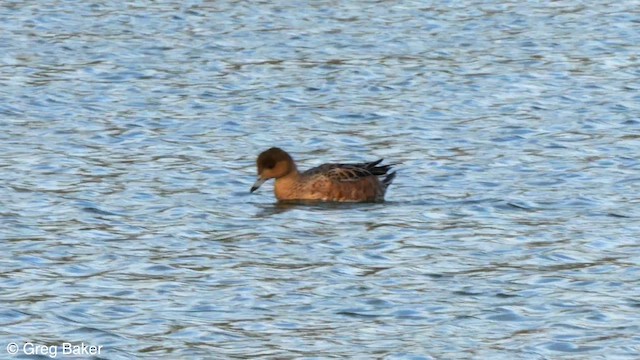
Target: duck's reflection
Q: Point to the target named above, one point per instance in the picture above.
(267, 210)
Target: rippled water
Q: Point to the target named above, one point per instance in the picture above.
(128, 133)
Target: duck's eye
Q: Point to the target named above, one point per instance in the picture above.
(269, 164)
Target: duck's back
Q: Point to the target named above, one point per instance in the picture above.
(345, 182)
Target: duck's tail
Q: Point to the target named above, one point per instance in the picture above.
(388, 179)
(374, 169)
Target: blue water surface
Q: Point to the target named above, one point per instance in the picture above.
(129, 131)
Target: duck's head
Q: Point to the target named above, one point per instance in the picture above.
(273, 163)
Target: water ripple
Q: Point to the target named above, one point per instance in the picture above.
(128, 138)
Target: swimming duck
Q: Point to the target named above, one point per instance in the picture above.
(362, 182)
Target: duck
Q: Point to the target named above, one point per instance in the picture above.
(332, 182)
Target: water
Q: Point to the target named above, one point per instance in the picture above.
(129, 131)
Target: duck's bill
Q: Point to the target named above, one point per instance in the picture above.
(257, 184)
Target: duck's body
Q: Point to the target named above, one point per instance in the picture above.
(329, 182)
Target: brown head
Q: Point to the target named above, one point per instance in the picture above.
(273, 163)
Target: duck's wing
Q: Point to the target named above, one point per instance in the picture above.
(348, 172)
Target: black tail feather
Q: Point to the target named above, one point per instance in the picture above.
(381, 170)
(388, 179)
(377, 170)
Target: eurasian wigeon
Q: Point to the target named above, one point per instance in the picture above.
(328, 182)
